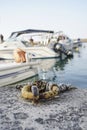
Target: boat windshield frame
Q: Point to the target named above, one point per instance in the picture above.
(17, 33)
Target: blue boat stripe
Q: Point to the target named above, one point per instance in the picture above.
(13, 74)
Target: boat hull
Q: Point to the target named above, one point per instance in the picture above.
(33, 52)
(13, 72)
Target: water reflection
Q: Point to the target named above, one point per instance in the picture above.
(45, 69)
(73, 71)
(61, 64)
(51, 68)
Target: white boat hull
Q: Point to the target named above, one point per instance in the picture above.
(33, 52)
(38, 43)
(14, 72)
(76, 44)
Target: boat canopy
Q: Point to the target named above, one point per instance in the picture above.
(17, 33)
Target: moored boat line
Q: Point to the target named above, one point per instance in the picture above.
(37, 43)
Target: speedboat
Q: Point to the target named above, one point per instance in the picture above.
(37, 43)
(14, 72)
(77, 43)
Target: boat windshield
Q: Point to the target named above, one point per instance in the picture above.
(31, 36)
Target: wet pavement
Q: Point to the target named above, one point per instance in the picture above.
(66, 112)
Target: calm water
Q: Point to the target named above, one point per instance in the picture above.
(73, 71)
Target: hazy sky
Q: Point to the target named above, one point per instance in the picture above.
(69, 16)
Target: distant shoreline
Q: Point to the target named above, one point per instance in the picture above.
(83, 40)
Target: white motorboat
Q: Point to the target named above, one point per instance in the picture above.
(37, 44)
(14, 72)
(77, 43)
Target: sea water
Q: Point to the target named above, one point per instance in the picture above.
(68, 71)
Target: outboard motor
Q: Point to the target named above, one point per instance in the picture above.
(59, 48)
